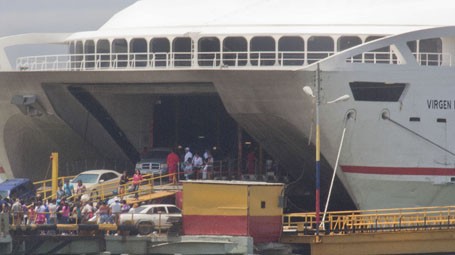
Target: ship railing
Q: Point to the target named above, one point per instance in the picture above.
(376, 57)
(347, 222)
(204, 60)
(388, 57)
(434, 59)
(169, 60)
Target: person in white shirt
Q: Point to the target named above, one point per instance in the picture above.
(206, 171)
(116, 209)
(206, 154)
(197, 164)
(188, 154)
(52, 207)
(40, 210)
(87, 212)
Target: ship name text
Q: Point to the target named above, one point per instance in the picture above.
(437, 104)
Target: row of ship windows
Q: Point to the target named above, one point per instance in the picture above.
(289, 47)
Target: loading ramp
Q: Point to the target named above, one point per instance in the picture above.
(425, 230)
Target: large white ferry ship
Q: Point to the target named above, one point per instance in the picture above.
(395, 59)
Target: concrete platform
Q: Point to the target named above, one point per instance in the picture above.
(138, 245)
(432, 241)
(180, 245)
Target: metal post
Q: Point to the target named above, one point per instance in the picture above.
(318, 153)
(54, 158)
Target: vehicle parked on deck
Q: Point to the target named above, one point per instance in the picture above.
(100, 181)
(148, 218)
(154, 161)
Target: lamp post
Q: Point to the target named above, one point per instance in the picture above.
(309, 92)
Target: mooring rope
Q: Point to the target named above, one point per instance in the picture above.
(384, 116)
(334, 172)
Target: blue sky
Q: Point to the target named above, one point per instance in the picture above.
(25, 16)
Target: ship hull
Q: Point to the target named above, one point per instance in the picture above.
(395, 154)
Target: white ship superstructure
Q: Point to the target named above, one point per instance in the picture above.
(395, 60)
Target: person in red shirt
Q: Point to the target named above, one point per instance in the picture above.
(137, 179)
(172, 165)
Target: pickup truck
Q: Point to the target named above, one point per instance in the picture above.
(154, 161)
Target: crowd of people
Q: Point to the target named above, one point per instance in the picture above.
(71, 207)
(193, 166)
(188, 165)
(63, 211)
(41, 211)
(68, 208)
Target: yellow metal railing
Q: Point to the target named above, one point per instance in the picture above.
(44, 187)
(223, 169)
(106, 190)
(402, 219)
(109, 190)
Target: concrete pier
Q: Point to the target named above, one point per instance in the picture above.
(180, 245)
(138, 245)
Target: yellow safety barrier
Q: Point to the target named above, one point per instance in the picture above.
(107, 190)
(44, 187)
(111, 190)
(344, 222)
(218, 170)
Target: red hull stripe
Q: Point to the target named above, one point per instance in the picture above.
(261, 228)
(399, 170)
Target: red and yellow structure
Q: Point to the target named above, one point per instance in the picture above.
(233, 208)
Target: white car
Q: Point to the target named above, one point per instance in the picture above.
(102, 182)
(148, 218)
